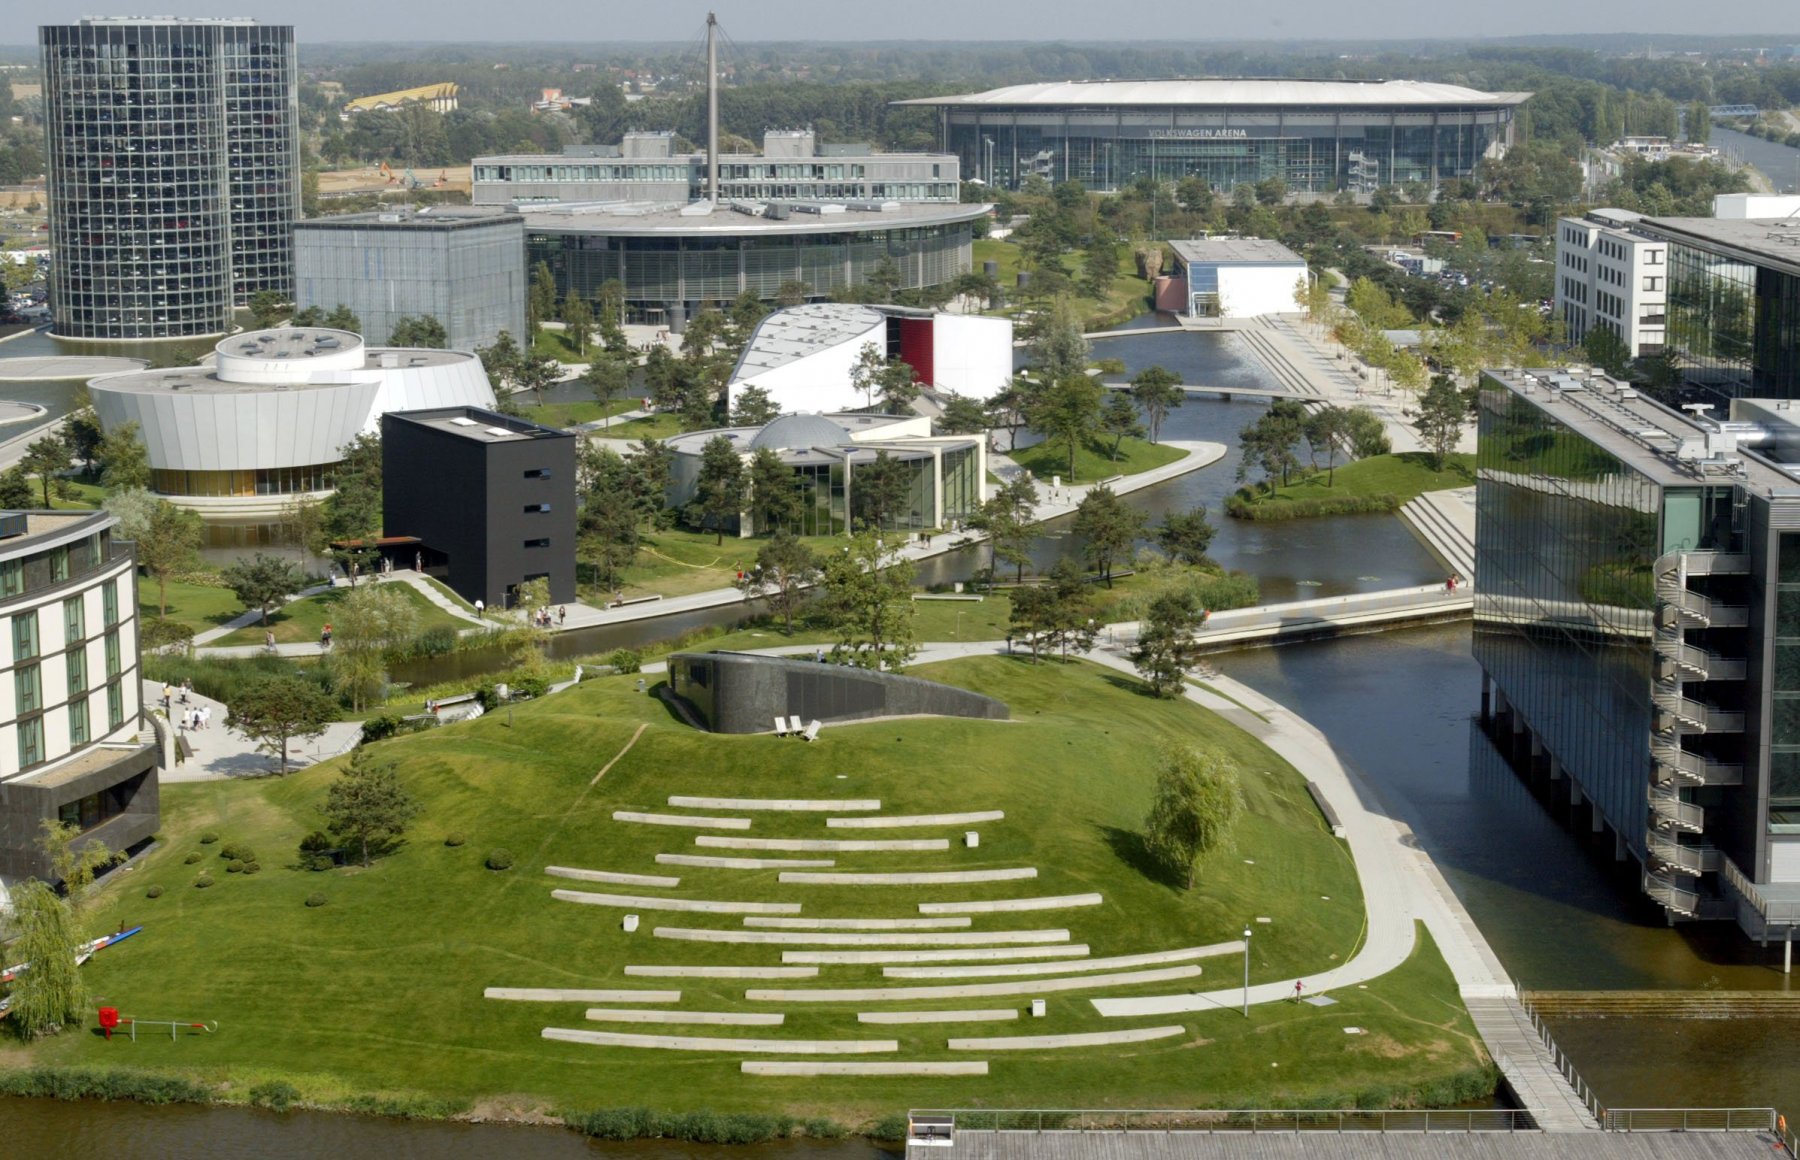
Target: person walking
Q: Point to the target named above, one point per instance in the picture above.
(1298, 987)
(269, 640)
(480, 609)
(562, 615)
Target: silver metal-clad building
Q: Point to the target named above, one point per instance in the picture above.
(173, 170)
(461, 265)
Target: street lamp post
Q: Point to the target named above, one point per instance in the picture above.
(1246, 972)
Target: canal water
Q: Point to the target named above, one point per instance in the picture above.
(1779, 163)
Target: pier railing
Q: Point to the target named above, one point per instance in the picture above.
(1232, 1120)
(1689, 1120)
(1562, 1062)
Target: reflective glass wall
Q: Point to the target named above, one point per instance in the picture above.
(1734, 328)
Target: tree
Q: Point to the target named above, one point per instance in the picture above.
(168, 545)
(754, 408)
(652, 465)
(51, 994)
(263, 581)
(276, 711)
(1328, 430)
(1157, 390)
(367, 805)
(540, 301)
(1167, 646)
(1119, 418)
(865, 373)
(1007, 520)
(792, 293)
(898, 387)
(267, 307)
(1268, 443)
(500, 360)
(785, 567)
(1057, 614)
(420, 330)
(371, 621)
(1366, 432)
(47, 458)
(123, 460)
(868, 601)
(962, 416)
(578, 323)
(608, 521)
(132, 507)
(1100, 267)
(608, 378)
(720, 489)
(1198, 801)
(775, 503)
(535, 372)
(15, 489)
(879, 490)
(1068, 413)
(1699, 123)
(1604, 348)
(1056, 348)
(1185, 536)
(341, 317)
(1439, 419)
(1108, 526)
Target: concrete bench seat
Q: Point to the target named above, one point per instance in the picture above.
(743, 863)
(859, 923)
(694, 822)
(821, 845)
(579, 995)
(1056, 1042)
(979, 970)
(958, 954)
(930, 938)
(786, 805)
(906, 878)
(611, 878)
(884, 1068)
(982, 1015)
(652, 971)
(640, 1015)
(637, 902)
(1029, 988)
(700, 1043)
(897, 821)
(1012, 905)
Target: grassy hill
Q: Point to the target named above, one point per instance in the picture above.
(380, 990)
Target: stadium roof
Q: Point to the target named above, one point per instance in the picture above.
(1228, 91)
(443, 90)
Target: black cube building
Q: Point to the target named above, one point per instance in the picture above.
(484, 501)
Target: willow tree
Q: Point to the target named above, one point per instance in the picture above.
(1198, 801)
(50, 993)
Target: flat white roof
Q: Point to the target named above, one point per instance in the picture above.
(659, 219)
(1229, 91)
(790, 335)
(1236, 251)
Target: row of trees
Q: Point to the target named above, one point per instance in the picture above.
(1273, 442)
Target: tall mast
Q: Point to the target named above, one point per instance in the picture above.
(712, 108)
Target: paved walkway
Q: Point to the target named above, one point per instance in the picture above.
(219, 752)
(310, 648)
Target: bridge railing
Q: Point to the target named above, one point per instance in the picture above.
(1689, 1120)
(1233, 1120)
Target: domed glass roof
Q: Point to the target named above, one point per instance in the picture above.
(792, 431)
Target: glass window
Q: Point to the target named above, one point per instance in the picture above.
(28, 689)
(31, 742)
(112, 653)
(78, 721)
(109, 603)
(59, 564)
(12, 577)
(77, 666)
(25, 635)
(115, 705)
(74, 620)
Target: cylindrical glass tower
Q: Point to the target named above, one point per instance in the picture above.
(173, 167)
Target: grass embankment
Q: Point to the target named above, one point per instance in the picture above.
(379, 991)
(190, 603)
(662, 425)
(1094, 461)
(1377, 484)
(571, 414)
(302, 620)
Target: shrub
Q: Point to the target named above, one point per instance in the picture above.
(317, 862)
(433, 642)
(80, 1083)
(252, 867)
(154, 892)
(405, 1107)
(316, 842)
(229, 852)
(245, 854)
(1301, 509)
(454, 838)
(192, 858)
(315, 899)
(204, 880)
(704, 1127)
(275, 1095)
(823, 1128)
(208, 838)
(624, 660)
(500, 860)
(529, 687)
(234, 867)
(380, 728)
(224, 679)
(889, 1127)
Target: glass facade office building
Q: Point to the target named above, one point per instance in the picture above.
(173, 172)
(1317, 136)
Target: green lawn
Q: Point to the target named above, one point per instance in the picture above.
(302, 620)
(1128, 297)
(1094, 461)
(1405, 476)
(658, 426)
(679, 561)
(198, 606)
(381, 989)
(570, 414)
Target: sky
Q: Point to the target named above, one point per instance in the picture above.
(588, 21)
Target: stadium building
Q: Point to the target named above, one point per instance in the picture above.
(1317, 136)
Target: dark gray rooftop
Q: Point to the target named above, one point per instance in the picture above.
(1773, 242)
(454, 217)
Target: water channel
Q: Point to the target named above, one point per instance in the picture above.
(1779, 163)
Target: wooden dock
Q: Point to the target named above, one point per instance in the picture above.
(1348, 1145)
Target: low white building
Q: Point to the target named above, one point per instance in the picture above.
(803, 356)
(1608, 274)
(268, 421)
(1232, 278)
(1756, 205)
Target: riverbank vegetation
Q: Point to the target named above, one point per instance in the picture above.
(312, 996)
(1382, 483)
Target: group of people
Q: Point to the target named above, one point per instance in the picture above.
(546, 618)
(193, 716)
(196, 717)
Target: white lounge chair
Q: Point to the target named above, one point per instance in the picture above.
(781, 729)
(812, 731)
(795, 725)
